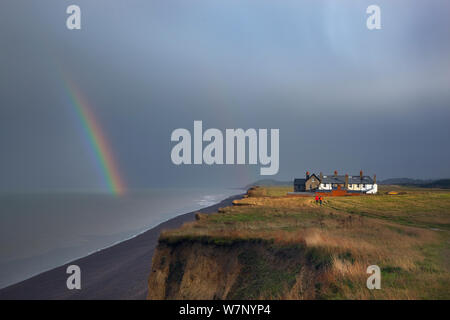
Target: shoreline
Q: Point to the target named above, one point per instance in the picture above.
(119, 271)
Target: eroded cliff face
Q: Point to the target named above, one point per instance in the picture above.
(243, 270)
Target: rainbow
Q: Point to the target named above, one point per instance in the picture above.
(96, 139)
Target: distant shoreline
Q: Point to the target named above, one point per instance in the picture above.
(116, 272)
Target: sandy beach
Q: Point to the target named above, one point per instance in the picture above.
(117, 272)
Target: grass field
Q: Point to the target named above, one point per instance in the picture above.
(406, 235)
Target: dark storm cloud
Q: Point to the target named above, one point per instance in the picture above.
(343, 97)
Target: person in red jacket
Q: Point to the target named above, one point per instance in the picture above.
(317, 199)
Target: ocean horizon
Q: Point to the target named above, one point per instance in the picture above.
(41, 231)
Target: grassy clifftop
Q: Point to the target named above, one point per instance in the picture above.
(273, 246)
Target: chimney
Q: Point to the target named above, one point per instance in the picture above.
(374, 179)
(346, 181)
(321, 177)
(307, 175)
(361, 175)
(335, 173)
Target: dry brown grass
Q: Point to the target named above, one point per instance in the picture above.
(406, 235)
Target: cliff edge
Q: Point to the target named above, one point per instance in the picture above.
(203, 269)
(272, 246)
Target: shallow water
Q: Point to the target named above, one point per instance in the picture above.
(41, 231)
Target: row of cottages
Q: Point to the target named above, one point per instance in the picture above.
(325, 183)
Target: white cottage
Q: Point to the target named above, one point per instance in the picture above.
(361, 183)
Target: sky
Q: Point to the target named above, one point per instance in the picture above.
(343, 97)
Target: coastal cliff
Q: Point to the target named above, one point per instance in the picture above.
(236, 270)
(271, 246)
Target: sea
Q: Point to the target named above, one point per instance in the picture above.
(39, 232)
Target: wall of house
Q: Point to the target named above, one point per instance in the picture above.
(355, 187)
(370, 188)
(312, 183)
(325, 186)
(367, 188)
